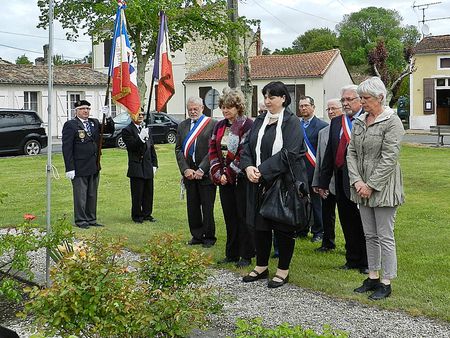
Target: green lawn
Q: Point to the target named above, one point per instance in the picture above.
(422, 225)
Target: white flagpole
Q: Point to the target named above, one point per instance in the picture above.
(50, 135)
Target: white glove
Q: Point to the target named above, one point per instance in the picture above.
(106, 111)
(154, 170)
(143, 135)
(70, 174)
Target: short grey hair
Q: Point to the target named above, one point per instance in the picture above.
(195, 100)
(374, 87)
(335, 100)
(350, 88)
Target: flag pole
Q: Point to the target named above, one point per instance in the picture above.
(147, 118)
(50, 137)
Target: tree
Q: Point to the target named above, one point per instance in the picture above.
(266, 51)
(315, 40)
(23, 60)
(59, 60)
(186, 18)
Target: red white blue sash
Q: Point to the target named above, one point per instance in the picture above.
(188, 143)
(346, 129)
(310, 151)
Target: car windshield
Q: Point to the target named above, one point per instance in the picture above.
(122, 118)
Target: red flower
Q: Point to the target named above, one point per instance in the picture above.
(29, 217)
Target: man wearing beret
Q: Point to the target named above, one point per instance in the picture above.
(80, 137)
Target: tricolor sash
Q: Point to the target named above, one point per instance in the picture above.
(346, 129)
(188, 143)
(311, 152)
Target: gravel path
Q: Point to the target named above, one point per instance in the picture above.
(294, 305)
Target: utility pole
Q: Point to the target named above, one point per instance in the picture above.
(234, 76)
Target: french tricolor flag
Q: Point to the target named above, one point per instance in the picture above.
(162, 69)
(125, 91)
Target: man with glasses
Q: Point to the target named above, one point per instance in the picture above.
(311, 126)
(142, 165)
(334, 162)
(334, 108)
(80, 137)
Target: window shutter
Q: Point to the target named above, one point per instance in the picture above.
(428, 96)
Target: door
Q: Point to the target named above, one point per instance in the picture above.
(12, 130)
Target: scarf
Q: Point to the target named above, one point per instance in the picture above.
(278, 142)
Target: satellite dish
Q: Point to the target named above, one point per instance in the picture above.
(425, 29)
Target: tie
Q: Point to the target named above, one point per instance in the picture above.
(305, 123)
(87, 127)
(341, 150)
(140, 128)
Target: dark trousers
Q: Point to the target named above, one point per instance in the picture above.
(240, 241)
(141, 198)
(263, 243)
(329, 220)
(200, 200)
(85, 199)
(315, 224)
(355, 242)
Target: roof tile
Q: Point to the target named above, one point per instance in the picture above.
(433, 44)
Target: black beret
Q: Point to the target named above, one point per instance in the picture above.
(80, 103)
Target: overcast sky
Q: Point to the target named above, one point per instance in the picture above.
(281, 22)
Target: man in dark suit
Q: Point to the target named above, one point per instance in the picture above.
(334, 161)
(80, 137)
(191, 151)
(311, 126)
(142, 165)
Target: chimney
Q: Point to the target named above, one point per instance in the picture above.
(39, 61)
(46, 54)
(258, 41)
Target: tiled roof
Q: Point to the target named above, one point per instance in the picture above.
(69, 75)
(273, 67)
(433, 44)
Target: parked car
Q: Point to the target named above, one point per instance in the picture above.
(162, 126)
(21, 131)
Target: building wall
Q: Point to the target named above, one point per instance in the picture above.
(12, 96)
(427, 67)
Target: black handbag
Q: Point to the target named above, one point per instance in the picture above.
(287, 200)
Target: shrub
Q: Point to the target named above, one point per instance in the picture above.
(96, 293)
(254, 329)
(15, 246)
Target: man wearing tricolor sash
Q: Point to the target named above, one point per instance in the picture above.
(334, 161)
(311, 126)
(191, 151)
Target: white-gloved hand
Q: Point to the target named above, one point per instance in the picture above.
(154, 170)
(70, 174)
(143, 135)
(106, 111)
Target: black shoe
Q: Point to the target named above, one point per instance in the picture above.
(243, 263)
(381, 292)
(317, 238)
(138, 220)
(150, 219)
(83, 226)
(323, 249)
(249, 278)
(96, 225)
(195, 241)
(227, 260)
(368, 285)
(208, 244)
(274, 284)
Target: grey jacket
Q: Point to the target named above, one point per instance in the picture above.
(321, 147)
(372, 157)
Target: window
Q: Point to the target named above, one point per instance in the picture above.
(107, 45)
(30, 101)
(71, 99)
(444, 62)
(160, 119)
(440, 82)
(11, 120)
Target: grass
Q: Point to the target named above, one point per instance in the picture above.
(422, 224)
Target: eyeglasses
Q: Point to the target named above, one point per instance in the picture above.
(349, 99)
(333, 108)
(305, 105)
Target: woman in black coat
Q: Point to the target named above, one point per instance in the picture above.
(263, 162)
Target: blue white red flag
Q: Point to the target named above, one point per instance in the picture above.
(125, 91)
(162, 69)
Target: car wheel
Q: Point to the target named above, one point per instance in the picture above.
(171, 137)
(32, 147)
(120, 143)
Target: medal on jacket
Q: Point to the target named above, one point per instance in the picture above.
(82, 134)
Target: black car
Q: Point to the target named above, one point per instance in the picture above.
(162, 126)
(21, 131)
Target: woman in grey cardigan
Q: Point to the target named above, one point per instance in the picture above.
(376, 183)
